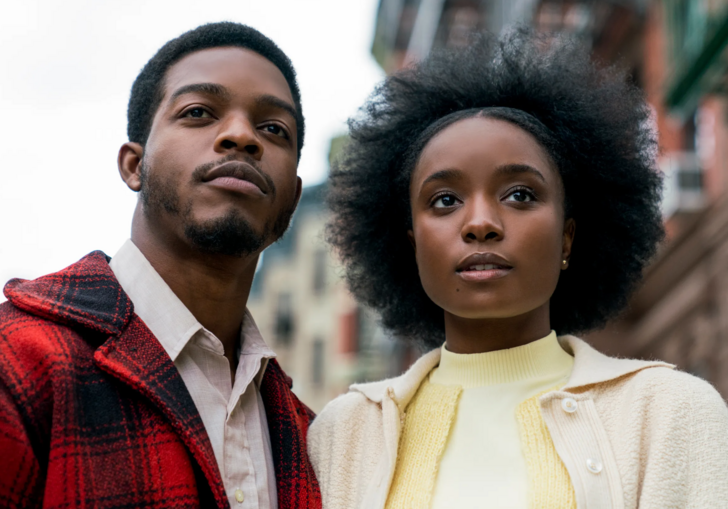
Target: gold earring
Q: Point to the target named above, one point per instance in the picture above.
(564, 263)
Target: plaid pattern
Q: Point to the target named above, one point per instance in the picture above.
(94, 414)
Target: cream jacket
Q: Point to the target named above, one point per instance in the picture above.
(632, 434)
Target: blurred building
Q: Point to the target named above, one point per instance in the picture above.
(324, 340)
(676, 51)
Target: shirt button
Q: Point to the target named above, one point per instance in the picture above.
(594, 466)
(239, 496)
(569, 405)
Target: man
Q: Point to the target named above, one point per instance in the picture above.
(143, 381)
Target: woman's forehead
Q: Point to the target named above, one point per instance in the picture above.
(481, 142)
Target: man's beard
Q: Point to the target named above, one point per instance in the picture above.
(229, 235)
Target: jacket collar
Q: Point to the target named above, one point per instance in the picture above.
(85, 294)
(590, 367)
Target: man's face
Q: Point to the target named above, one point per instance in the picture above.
(219, 166)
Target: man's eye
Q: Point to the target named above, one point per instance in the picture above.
(445, 201)
(197, 113)
(276, 129)
(521, 196)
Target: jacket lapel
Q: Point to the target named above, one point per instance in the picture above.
(288, 422)
(137, 359)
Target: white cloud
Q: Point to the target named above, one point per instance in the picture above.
(67, 70)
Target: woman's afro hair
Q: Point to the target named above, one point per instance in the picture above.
(596, 126)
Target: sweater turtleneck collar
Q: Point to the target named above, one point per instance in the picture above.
(543, 358)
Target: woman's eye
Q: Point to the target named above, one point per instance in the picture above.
(520, 196)
(197, 113)
(276, 129)
(445, 201)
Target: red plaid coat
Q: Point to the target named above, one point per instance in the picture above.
(94, 414)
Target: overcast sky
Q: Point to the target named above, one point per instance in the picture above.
(67, 68)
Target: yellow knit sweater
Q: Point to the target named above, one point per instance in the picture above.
(429, 426)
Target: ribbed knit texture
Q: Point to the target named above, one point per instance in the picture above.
(537, 360)
(426, 428)
(473, 435)
(549, 482)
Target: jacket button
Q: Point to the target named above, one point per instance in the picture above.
(569, 405)
(239, 496)
(594, 466)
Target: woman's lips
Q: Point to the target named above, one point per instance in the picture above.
(483, 273)
(483, 267)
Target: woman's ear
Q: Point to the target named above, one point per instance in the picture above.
(411, 237)
(567, 241)
(129, 162)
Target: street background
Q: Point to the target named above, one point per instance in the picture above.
(68, 68)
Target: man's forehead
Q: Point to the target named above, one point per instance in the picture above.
(237, 69)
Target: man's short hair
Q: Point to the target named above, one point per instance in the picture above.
(148, 88)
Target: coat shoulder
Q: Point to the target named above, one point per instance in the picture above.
(675, 388)
(29, 338)
(666, 400)
(347, 422)
(344, 411)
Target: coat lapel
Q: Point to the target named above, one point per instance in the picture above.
(288, 421)
(137, 359)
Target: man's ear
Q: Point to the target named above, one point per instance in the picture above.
(411, 237)
(129, 162)
(568, 241)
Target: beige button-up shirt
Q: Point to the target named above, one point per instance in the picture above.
(233, 415)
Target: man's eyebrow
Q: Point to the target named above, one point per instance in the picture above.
(276, 102)
(202, 88)
(515, 169)
(448, 174)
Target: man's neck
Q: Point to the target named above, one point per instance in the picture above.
(213, 288)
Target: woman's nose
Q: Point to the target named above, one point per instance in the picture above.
(482, 224)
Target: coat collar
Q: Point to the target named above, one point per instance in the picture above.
(590, 367)
(85, 294)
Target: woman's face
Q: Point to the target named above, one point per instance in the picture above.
(488, 222)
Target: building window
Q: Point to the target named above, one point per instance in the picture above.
(320, 262)
(350, 331)
(284, 319)
(317, 368)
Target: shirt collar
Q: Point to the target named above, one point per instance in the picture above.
(166, 316)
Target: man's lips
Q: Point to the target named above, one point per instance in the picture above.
(237, 176)
(483, 266)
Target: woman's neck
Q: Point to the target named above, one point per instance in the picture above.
(468, 335)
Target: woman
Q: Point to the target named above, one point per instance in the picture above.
(489, 200)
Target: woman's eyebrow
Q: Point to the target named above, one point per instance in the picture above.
(448, 174)
(515, 169)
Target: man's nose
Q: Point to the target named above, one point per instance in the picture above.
(238, 133)
(482, 223)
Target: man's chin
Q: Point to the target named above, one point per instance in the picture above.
(230, 235)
